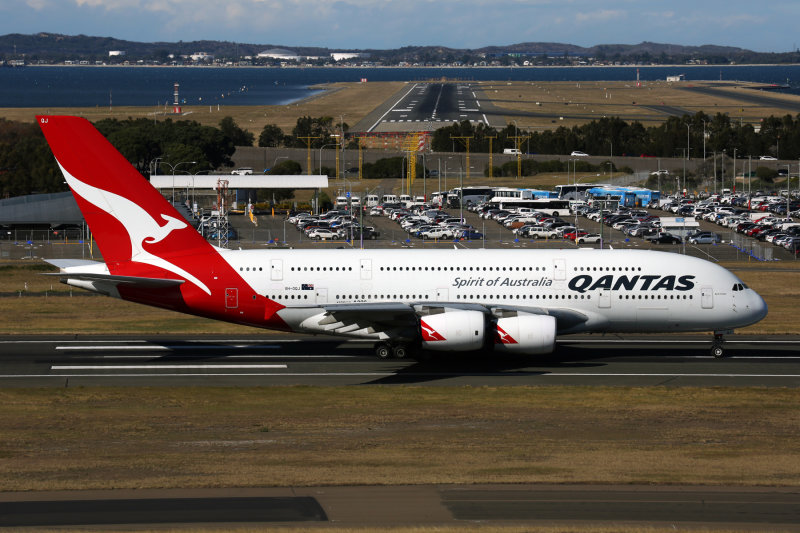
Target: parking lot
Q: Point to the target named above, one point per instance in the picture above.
(277, 232)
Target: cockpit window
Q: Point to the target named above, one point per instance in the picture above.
(739, 286)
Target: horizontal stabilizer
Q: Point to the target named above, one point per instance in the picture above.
(129, 281)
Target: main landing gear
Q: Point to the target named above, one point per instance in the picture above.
(716, 346)
(384, 350)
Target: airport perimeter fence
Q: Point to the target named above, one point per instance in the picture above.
(48, 250)
(757, 250)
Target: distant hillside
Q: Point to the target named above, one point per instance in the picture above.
(50, 47)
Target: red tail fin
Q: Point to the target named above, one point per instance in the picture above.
(130, 220)
(142, 236)
(113, 197)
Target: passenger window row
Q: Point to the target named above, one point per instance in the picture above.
(607, 269)
(466, 269)
(655, 297)
(320, 269)
(527, 297)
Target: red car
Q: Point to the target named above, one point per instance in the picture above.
(571, 235)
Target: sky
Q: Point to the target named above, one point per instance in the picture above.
(763, 26)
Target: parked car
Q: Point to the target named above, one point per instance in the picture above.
(705, 237)
(665, 238)
(323, 234)
(589, 238)
(470, 235)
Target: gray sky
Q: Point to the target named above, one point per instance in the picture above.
(764, 26)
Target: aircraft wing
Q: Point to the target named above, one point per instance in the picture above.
(374, 318)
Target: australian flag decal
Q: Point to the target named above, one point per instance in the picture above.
(307, 287)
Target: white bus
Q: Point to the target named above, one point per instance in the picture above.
(549, 206)
(471, 195)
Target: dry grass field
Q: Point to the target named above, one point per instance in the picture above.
(353, 100)
(545, 103)
(301, 436)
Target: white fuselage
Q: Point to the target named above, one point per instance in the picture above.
(616, 290)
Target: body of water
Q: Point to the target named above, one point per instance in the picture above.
(82, 86)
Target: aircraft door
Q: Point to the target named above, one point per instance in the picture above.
(231, 298)
(707, 297)
(559, 269)
(322, 295)
(366, 269)
(604, 299)
(276, 269)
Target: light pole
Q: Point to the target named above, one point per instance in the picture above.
(341, 124)
(704, 140)
(320, 154)
(788, 188)
(276, 160)
(687, 141)
(154, 165)
(173, 167)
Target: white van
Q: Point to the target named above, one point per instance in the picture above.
(389, 199)
(371, 200)
(511, 151)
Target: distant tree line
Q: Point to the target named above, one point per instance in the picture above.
(27, 165)
(778, 136)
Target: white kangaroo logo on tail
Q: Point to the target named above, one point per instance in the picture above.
(141, 227)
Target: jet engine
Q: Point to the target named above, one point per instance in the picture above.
(525, 334)
(453, 331)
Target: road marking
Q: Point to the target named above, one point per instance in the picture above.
(161, 367)
(668, 341)
(389, 374)
(170, 347)
(390, 109)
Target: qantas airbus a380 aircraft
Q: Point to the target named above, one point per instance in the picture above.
(438, 300)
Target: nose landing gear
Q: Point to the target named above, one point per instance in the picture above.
(716, 346)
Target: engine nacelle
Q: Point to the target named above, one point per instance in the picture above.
(453, 331)
(526, 334)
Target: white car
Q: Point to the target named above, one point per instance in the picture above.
(437, 233)
(322, 234)
(591, 237)
(767, 158)
(579, 154)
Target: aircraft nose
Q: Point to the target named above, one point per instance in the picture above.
(757, 307)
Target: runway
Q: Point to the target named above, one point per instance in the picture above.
(427, 505)
(425, 106)
(267, 360)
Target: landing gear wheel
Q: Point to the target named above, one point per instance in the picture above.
(716, 347)
(400, 351)
(383, 350)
